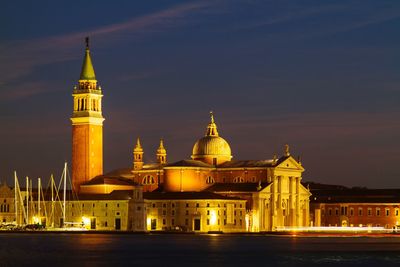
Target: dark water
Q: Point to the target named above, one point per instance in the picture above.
(195, 250)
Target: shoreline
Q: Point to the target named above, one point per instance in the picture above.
(266, 234)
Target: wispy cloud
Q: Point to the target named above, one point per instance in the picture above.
(291, 15)
(21, 58)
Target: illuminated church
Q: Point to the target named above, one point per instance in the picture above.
(208, 192)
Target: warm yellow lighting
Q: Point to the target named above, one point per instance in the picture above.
(331, 229)
(247, 220)
(213, 217)
(36, 220)
(148, 221)
(85, 221)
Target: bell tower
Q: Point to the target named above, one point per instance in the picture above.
(87, 126)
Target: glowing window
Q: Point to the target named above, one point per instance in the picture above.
(148, 180)
(238, 180)
(210, 180)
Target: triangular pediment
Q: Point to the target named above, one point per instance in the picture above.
(289, 163)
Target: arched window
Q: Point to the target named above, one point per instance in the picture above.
(210, 180)
(148, 179)
(238, 180)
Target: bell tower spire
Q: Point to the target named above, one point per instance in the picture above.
(138, 156)
(161, 153)
(87, 125)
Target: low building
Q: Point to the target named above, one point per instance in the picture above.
(195, 211)
(118, 210)
(355, 207)
(7, 204)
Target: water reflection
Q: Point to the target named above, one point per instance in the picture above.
(194, 250)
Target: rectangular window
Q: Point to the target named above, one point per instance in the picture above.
(173, 222)
(173, 213)
(336, 211)
(378, 212)
(330, 212)
(187, 205)
(351, 212)
(360, 212)
(369, 211)
(387, 212)
(163, 221)
(164, 212)
(186, 221)
(187, 212)
(208, 212)
(208, 221)
(397, 212)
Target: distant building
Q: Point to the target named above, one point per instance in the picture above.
(7, 204)
(354, 207)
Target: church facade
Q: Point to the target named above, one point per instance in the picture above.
(246, 195)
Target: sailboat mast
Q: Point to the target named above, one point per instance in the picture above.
(39, 200)
(65, 189)
(52, 200)
(27, 200)
(15, 197)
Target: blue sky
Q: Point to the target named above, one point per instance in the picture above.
(322, 76)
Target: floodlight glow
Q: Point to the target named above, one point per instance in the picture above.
(85, 221)
(213, 217)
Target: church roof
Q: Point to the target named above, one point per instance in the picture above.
(190, 163)
(185, 195)
(114, 195)
(237, 187)
(104, 179)
(247, 163)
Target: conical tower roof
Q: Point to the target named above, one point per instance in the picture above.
(138, 147)
(87, 72)
(161, 149)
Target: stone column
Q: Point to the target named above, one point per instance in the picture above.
(298, 223)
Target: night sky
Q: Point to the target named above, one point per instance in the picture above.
(322, 76)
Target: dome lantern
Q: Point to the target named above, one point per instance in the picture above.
(212, 148)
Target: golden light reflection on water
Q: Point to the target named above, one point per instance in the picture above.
(94, 240)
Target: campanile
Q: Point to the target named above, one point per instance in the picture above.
(87, 125)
